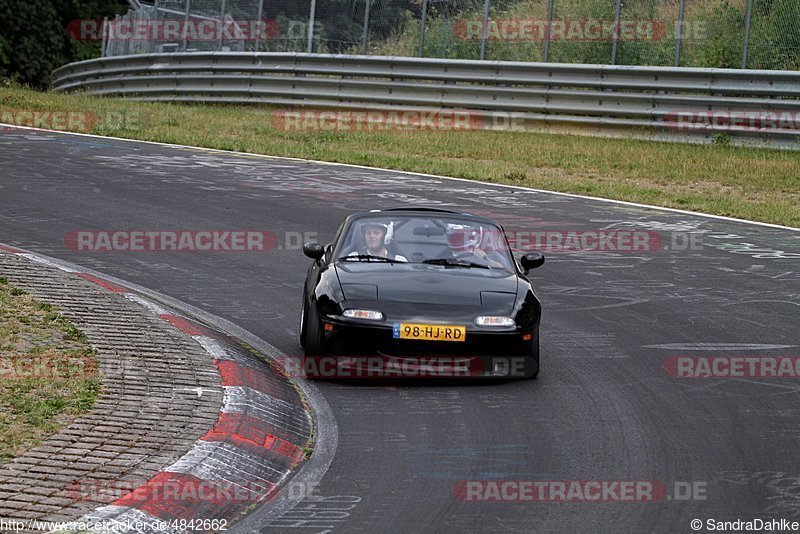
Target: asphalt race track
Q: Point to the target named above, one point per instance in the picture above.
(605, 407)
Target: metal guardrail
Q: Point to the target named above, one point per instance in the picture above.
(749, 107)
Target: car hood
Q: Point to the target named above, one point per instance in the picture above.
(429, 285)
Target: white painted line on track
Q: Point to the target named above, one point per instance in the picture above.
(411, 173)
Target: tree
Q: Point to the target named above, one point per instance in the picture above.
(34, 39)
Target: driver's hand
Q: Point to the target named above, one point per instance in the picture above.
(480, 253)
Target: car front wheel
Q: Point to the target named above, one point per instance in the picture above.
(532, 358)
(315, 335)
(303, 327)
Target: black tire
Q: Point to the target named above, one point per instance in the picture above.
(303, 324)
(315, 335)
(534, 357)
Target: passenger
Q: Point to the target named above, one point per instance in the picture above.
(374, 234)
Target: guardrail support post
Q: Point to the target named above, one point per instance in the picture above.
(423, 19)
(485, 27)
(746, 42)
(365, 33)
(311, 16)
(679, 36)
(546, 54)
(615, 35)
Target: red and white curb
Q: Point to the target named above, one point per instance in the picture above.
(260, 437)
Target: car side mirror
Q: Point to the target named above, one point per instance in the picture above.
(315, 251)
(531, 260)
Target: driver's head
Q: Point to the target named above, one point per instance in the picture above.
(374, 235)
(463, 238)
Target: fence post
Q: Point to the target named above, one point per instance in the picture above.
(135, 46)
(112, 45)
(186, 24)
(422, 21)
(679, 37)
(746, 42)
(104, 37)
(615, 35)
(547, 30)
(485, 27)
(129, 18)
(365, 33)
(258, 22)
(311, 16)
(158, 16)
(221, 25)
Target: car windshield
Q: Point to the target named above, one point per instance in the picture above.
(451, 241)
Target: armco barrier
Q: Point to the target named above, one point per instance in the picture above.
(660, 103)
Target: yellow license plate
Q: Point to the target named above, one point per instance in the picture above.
(429, 332)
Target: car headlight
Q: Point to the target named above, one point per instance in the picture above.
(494, 320)
(372, 315)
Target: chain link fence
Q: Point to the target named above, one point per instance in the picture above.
(760, 34)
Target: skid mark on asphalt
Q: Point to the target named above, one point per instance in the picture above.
(374, 402)
(717, 346)
(478, 462)
(783, 489)
(380, 401)
(583, 345)
(425, 402)
(782, 248)
(563, 298)
(316, 513)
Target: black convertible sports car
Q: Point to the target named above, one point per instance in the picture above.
(419, 292)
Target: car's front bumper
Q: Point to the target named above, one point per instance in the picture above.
(358, 346)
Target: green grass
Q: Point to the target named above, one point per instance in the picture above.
(48, 371)
(750, 183)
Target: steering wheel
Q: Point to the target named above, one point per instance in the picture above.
(467, 255)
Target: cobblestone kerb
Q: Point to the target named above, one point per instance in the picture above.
(184, 416)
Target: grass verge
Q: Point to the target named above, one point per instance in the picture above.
(48, 371)
(749, 183)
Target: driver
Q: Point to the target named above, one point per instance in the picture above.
(374, 234)
(465, 241)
